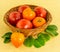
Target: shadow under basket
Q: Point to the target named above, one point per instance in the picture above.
(28, 32)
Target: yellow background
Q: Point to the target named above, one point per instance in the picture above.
(52, 5)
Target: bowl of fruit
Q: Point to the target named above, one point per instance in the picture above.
(28, 19)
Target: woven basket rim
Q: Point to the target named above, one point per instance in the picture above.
(17, 29)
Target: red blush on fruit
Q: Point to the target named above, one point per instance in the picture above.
(14, 17)
(21, 8)
(40, 12)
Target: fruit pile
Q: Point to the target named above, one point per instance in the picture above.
(28, 18)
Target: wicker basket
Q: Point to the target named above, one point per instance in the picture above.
(28, 32)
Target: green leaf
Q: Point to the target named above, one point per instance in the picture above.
(36, 43)
(40, 34)
(29, 41)
(7, 35)
(52, 30)
(46, 36)
(41, 40)
(6, 40)
(52, 27)
(53, 33)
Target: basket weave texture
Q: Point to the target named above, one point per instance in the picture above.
(28, 32)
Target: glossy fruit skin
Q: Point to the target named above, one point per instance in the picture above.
(17, 39)
(21, 8)
(38, 21)
(40, 12)
(28, 14)
(14, 17)
(24, 24)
